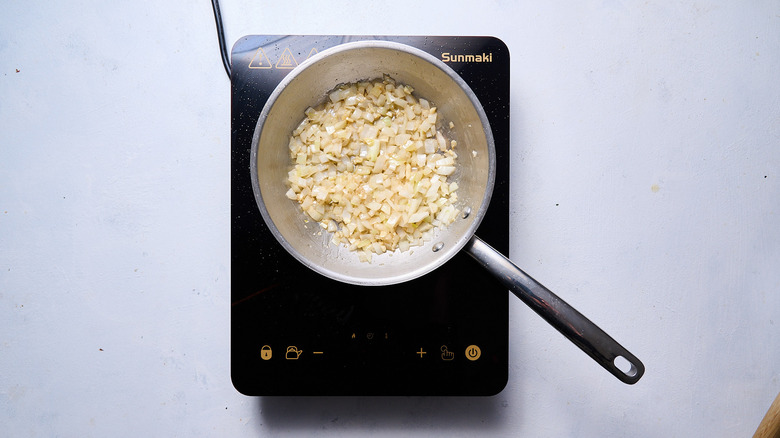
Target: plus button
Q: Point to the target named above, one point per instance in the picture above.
(421, 353)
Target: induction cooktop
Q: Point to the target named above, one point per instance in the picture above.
(295, 332)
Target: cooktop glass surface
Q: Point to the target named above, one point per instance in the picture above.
(295, 332)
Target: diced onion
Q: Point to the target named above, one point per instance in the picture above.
(371, 167)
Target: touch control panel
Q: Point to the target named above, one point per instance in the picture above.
(444, 353)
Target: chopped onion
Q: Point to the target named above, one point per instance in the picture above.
(371, 167)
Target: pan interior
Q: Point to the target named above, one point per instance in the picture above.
(308, 85)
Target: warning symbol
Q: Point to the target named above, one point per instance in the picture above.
(312, 52)
(260, 60)
(286, 61)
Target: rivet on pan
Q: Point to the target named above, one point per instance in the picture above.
(438, 247)
(466, 212)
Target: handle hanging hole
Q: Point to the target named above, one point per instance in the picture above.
(625, 366)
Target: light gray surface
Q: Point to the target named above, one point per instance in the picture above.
(645, 191)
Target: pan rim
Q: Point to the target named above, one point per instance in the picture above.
(457, 244)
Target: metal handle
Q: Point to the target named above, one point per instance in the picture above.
(571, 323)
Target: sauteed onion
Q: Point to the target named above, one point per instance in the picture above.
(371, 167)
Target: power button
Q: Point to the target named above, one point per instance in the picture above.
(473, 352)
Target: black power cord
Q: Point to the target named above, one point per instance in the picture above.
(221, 35)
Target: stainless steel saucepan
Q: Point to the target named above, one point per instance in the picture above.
(307, 85)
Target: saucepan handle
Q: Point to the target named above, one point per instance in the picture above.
(566, 319)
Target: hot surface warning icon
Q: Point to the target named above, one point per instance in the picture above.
(286, 61)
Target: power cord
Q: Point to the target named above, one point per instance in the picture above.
(221, 35)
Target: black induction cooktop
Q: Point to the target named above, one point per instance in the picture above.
(295, 332)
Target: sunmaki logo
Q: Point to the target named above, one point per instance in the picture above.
(453, 57)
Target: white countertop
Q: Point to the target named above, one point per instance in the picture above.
(645, 190)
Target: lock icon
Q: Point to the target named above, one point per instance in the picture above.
(265, 352)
